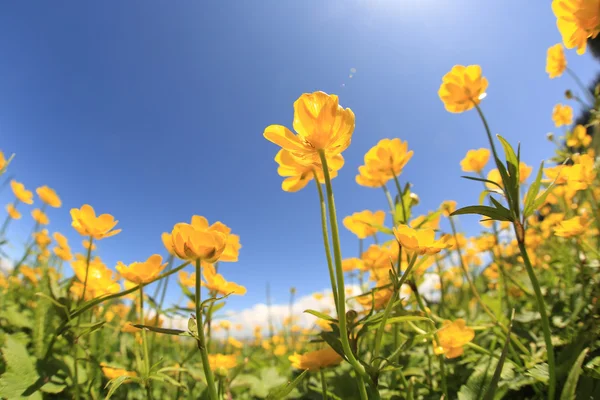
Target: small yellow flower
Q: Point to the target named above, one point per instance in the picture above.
(370, 178)
(364, 224)
(235, 343)
(386, 159)
(316, 360)
(421, 241)
(215, 282)
(86, 245)
(12, 212)
(40, 217)
(452, 337)
(87, 224)
(49, 196)
(222, 361)
(581, 174)
(320, 124)
(3, 161)
(556, 62)
(21, 193)
(462, 88)
(42, 238)
(352, 264)
(524, 171)
(142, 272)
(298, 175)
(448, 207)
(112, 373)
(562, 115)
(197, 240)
(225, 325)
(475, 160)
(30, 274)
(494, 176)
(579, 137)
(64, 253)
(187, 278)
(572, 227)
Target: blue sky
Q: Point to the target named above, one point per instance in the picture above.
(154, 111)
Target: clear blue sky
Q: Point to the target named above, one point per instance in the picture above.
(154, 111)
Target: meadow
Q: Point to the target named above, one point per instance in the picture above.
(513, 312)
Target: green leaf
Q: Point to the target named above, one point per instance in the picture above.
(491, 391)
(473, 178)
(511, 159)
(16, 318)
(283, 390)
(334, 341)
(166, 331)
(568, 392)
(374, 322)
(320, 315)
(429, 217)
(20, 372)
(499, 206)
(532, 193)
(93, 327)
(486, 211)
(115, 383)
(540, 373)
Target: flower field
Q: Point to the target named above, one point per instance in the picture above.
(513, 312)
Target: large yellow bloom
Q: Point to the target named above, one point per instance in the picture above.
(579, 137)
(197, 240)
(556, 62)
(87, 224)
(387, 158)
(364, 224)
(452, 337)
(142, 272)
(320, 123)
(462, 88)
(49, 196)
(315, 360)
(40, 217)
(421, 241)
(216, 283)
(297, 174)
(572, 227)
(24, 195)
(12, 211)
(577, 20)
(475, 160)
(562, 115)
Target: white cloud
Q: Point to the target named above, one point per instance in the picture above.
(6, 265)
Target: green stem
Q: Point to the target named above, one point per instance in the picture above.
(489, 133)
(323, 384)
(388, 196)
(75, 366)
(585, 90)
(145, 345)
(443, 374)
(210, 382)
(545, 322)
(87, 270)
(326, 243)
(358, 367)
(595, 210)
(8, 219)
(401, 195)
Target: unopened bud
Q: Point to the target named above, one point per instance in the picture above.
(351, 315)
(569, 94)
(550, 136)
(415, 199)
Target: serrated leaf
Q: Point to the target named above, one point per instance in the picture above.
(284, 390)
(320, 315)
(568, 392)
(487, 211)
(16, 318)
(20, 371)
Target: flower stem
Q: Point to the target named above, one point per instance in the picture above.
(210, 381)
(326, 243)
(87, 269)
(488, 131)
(545, 322)
(401, 196)
(585, 90)
(145, 344)
(358, 367)
(323, 384)
(388, 196)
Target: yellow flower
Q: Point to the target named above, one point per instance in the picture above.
(41, 238)
(353, 264)
(421, 241)
(232, 247)
(324, 325)
(524, 171)
(3, 162)
(235, 343)
(39, 217)
(378, 298)
(363, 224)
(475, 160)
(215, 282)
(432, 222)
(387, 158)
(577, 20)
(64, 253)
(30, 274)
(187, 278)
(462, 88)
(112, 373)
(556, 62)
(452, 337)
(448, 207)
(218, 361)
(86, 245)
(581, 174)
(225, 325)
(579, 137)
(197, 240)
(562, 115)
(318, 296)
(572, 227)
(21, 193)
(315, 360)
(370, 178)
(101, 280)
(87, 224)
(12, 212)
(320, 123)
(49, 196)
(494, 176)
(142, 272)
(298, 174)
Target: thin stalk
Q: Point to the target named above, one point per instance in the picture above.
(442, 286)
(87, 270)
(210, 381)
(327, 245)
(323, 384)
(487, 131)
(145, 345)
(358, 367)
(595, 210)
(400, 194)
(388, 196)
(545, 321)
(8, 219)
(585, 90)
(76, 348)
